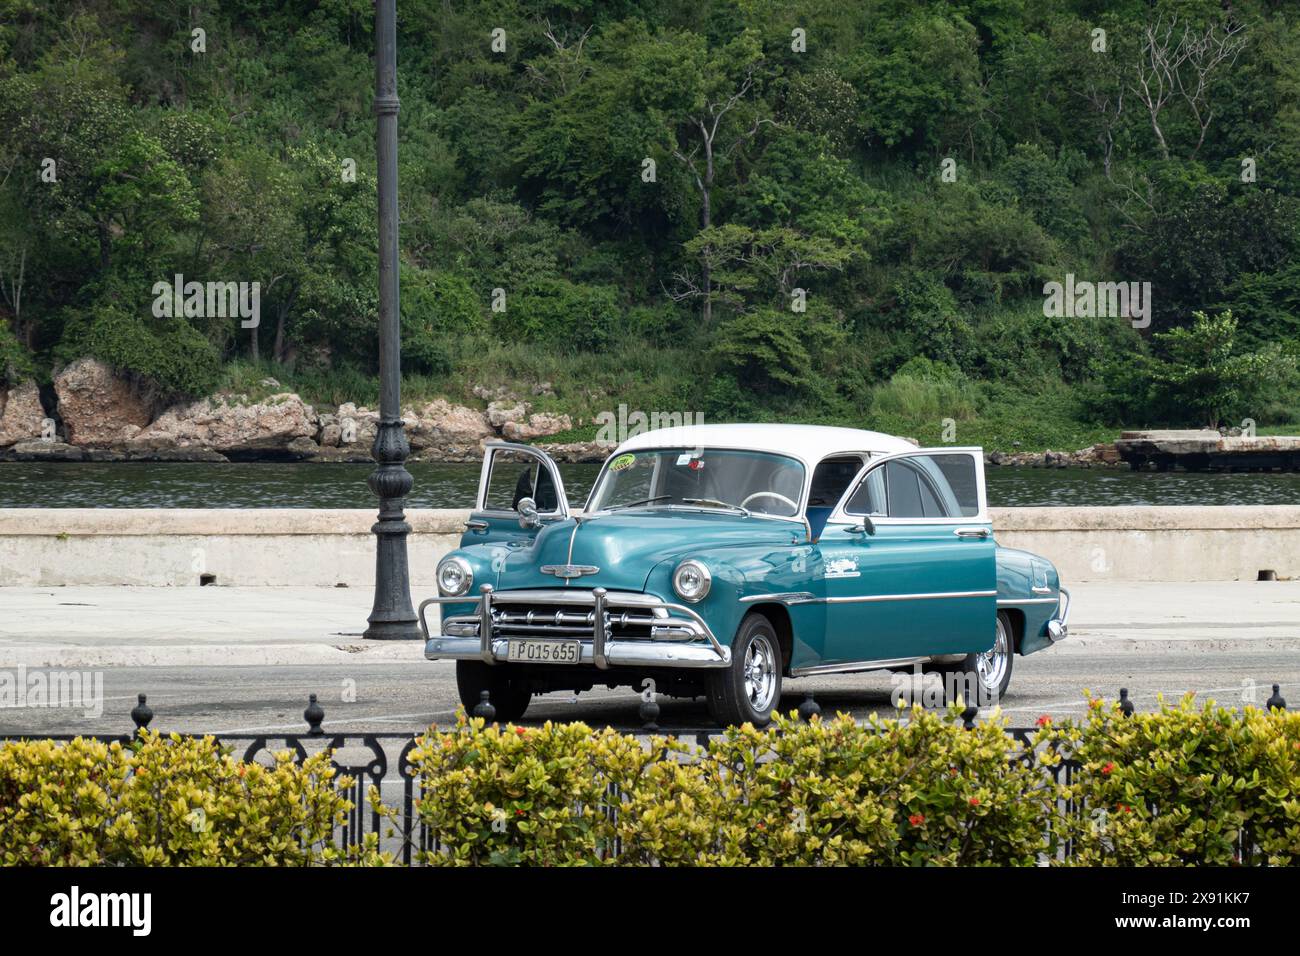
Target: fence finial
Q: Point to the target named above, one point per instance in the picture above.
(484, 707)
(809, 708)
(649, 712)
(314, 714)
(142, 714)
(1125, 705)
(1276, 700)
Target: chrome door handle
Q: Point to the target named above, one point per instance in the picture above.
(972, 532)
(476, 524)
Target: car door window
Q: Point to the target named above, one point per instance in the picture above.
(869, 499)
(959, 477)
(517, 475)
(919, 486)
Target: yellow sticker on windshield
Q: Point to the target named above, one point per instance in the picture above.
(622, 462)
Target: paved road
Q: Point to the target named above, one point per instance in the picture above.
(244, 659)
(401, 698)
(213, 626)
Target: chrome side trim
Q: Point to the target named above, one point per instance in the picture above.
(1016, 602)
(852, 666)
(782, 597)
(928, 596)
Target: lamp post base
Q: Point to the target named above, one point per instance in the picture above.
(393, 618)
(393, 631)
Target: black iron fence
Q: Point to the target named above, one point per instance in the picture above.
(382, 760)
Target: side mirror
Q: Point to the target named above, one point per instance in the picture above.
(528, 517)
(867, 527)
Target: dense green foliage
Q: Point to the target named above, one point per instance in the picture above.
(1185, 785)
(805, 210)
(168, 800)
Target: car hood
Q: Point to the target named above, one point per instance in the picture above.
(626, 546)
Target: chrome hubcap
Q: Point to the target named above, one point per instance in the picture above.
(760, 673)
(992, 664)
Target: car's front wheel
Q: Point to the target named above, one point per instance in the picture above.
(986, 675)
(749, 688)
(509, 697)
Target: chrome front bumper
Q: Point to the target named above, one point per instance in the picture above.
(679, 637)
(1056, 627)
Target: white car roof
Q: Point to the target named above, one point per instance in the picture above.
(809, 443)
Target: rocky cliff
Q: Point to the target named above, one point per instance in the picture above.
(100, 416)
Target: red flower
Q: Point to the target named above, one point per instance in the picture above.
(1043, 721)
(1125, 807)
(1108, 768)
(916, 819)
(520, 731)
(761, 826)
(974, 801)
(519, 813)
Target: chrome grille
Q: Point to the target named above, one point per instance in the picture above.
(558, 620)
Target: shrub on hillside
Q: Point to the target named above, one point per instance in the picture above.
(561, 314)
(169, 354)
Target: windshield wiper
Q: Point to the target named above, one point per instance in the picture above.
(637, 504)
(715, 503)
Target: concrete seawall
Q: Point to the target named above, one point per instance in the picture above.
(299, 547)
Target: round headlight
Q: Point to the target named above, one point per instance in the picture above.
(691, 580)
(454, 576)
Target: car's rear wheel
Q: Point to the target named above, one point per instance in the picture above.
(749, 688)
(509, 697)
(985, 675)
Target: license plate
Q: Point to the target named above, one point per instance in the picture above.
(545, 652)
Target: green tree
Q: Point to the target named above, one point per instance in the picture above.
(1203, 370)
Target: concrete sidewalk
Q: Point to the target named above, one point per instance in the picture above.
(90, 627)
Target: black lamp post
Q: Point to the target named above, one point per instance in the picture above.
(393, 617)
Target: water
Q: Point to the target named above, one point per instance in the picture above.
(437, 485)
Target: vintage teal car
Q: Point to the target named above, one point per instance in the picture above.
(716, 560)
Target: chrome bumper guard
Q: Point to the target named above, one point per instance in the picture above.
(1056, 627)
(679, 637)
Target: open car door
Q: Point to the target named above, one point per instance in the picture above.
(515, 475)
(909, 561)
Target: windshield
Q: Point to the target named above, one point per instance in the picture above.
(727, 479)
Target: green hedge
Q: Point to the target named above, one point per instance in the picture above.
(1187, 785)
(166, 801)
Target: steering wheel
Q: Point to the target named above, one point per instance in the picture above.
(794, 508)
